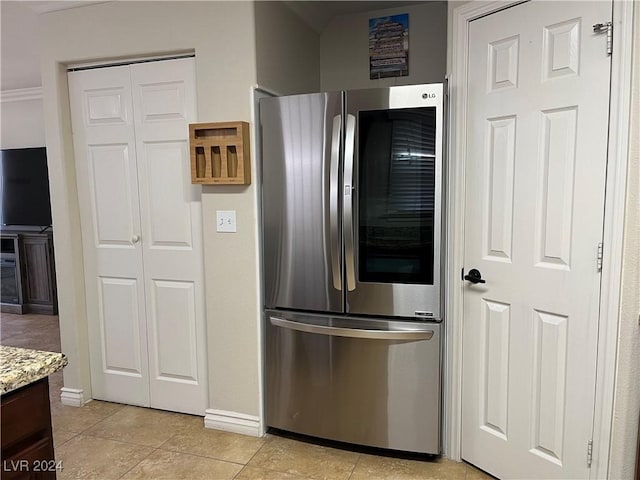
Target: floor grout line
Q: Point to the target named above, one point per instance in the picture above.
(199, 455)
(266, 440)
(141, 460)
(93, 435)
(170, 437)
(93, 424)
(355, 465)
(75, 434)
(117, 441)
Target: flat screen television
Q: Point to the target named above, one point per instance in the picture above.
(24, 180)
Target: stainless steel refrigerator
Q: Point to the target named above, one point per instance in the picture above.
(351, 246)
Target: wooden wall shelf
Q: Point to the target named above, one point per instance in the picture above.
(220, 153)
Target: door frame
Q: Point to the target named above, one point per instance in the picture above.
(621, 67)
(258, 92)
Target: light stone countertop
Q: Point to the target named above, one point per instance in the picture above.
(22, 366)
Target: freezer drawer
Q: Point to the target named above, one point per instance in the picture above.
(362, 381)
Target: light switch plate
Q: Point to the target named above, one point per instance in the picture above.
(226, 221)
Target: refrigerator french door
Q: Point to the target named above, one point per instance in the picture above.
(351, 211)
(392, 218)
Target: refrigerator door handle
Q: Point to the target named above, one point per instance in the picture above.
(347, 214)
(353, 332)
(334, 237)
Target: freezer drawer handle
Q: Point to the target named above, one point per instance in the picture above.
(353, 332)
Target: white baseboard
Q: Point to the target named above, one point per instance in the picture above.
(233, 422)
(72, 397)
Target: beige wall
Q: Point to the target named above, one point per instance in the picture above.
(21, 123)
(344, 48)
(627, 393)
(222, 35)
(287, 50)
(225, 42)
(20, 46)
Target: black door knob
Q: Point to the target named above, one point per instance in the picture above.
(474, 276)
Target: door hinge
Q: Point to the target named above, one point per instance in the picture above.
(599, 257)
(605, 27)
(589, 453)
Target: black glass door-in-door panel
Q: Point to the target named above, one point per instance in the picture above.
(396, 195)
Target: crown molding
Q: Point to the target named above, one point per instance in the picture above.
(47, 6)
(21, 94)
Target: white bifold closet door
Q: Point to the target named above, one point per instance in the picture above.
(142, 233)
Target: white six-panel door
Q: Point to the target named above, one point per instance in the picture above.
(142, 233)
(536, 150)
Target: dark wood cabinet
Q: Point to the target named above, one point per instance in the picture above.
(28, 272)
(39, 273)
(27, 439)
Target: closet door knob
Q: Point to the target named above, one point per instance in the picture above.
(135, 239)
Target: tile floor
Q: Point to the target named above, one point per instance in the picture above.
(105, 440)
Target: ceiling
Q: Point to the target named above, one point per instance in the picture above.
(21, 66)
(316, 11)
(317, 14)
